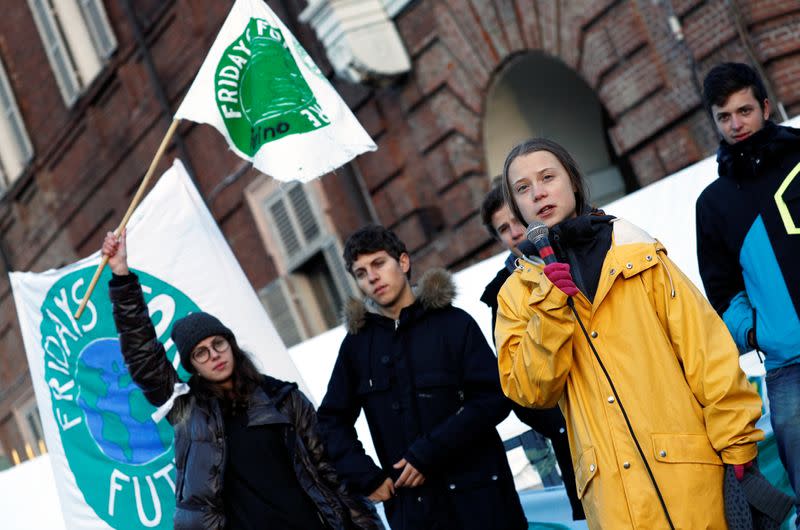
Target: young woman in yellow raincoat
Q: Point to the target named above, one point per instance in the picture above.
(652, 392)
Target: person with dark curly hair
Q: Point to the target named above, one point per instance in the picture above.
(427, 381)
(247, 450)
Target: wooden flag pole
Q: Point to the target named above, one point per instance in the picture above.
(134, 203)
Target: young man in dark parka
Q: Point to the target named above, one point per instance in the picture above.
(428, 383)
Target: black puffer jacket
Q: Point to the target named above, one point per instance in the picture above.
(200, 451)
(430, 390)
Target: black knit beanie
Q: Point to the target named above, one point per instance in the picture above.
(191, 329)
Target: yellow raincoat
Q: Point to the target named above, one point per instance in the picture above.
(675, 369)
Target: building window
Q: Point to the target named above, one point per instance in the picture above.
(30, 427)
(15, 146)
(77, 38)
(308, 297)
(99, 28)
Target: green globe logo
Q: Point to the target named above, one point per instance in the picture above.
(260, 90)
(121, 457)
(271, 82)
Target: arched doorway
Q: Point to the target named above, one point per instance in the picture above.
(538, 95)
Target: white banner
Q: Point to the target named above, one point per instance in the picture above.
(112, 456)
(261, 90)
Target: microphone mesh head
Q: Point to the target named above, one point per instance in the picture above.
(536, 231)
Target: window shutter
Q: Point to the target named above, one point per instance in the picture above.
(277, 300)
(102, 36)
(295, 223)
(304, 214)
(285, 228)
(56, 49)
(15, 149)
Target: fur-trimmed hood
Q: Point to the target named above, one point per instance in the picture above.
(435, 290)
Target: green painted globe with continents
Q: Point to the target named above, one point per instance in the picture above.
(119, 448)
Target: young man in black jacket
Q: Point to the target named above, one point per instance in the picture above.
(748, 242)
(428, 383)
(503, 226)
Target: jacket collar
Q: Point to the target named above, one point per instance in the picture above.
(276, 389)
(263, 409)
(435, 290)
(632, 251)
(771, 140)
(582, 229)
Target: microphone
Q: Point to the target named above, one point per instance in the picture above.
(537, 234)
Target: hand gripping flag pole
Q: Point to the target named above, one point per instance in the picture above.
(134, 203)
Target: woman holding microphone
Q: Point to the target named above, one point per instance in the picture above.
(642, 367)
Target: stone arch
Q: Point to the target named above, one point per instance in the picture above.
(535, 94)
(622, 50)
(430, 173)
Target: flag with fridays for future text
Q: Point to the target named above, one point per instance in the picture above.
(112, 452)
(262, 91)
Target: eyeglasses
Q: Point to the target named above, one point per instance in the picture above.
(202, 354)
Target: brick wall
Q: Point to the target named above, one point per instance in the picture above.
(90, 158)
(428, 125)
(428, 176)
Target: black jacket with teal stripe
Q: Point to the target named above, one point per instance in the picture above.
(748, 241)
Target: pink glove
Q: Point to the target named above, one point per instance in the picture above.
(558, 274)
(738, 469)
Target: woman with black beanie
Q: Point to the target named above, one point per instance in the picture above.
(247, 451)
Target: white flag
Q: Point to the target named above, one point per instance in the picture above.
(261, 90)
(112, 452)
